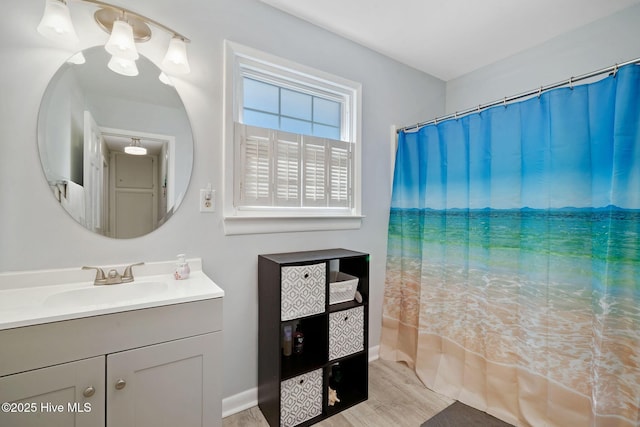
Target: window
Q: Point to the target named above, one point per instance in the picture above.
(292, 148)
(271, 106)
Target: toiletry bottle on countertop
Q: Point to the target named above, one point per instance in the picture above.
(182, 268)
(298, 341)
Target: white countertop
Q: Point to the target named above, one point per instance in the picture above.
(25, 302)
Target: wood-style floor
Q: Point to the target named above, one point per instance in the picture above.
(396, 398)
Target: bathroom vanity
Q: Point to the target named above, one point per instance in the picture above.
(146, 353)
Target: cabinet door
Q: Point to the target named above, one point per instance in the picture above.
(346, 332)
(67, 395)
(170, 384)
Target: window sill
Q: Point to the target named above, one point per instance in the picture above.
(283, 224)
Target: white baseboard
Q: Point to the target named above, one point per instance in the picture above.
(239, 402)
(374, 353)
(249, 398)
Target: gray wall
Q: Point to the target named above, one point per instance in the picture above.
(601, 44)
(35, 233)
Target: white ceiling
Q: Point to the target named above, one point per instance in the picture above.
(449, 38)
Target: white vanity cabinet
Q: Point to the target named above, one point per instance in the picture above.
(41, 397)
(158, 366)
(165, 384)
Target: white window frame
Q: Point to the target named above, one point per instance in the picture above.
(242, 61)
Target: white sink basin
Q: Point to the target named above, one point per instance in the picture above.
(106, 294)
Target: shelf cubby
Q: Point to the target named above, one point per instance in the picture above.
(314, 351)
(352, 387)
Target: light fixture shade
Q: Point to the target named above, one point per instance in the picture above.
(135, 148)
(165, 79)
(77, 59)
(175, 61)
(126, 67)
(136, 151)
(56, 22)
(121, 43)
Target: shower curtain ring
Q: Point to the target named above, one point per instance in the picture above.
(571, 82)
(615, 70)
(540, 92)
(505, 102)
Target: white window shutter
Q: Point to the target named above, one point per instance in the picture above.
(339, 173)
(255, 160)
(287, 169)
(314, 171)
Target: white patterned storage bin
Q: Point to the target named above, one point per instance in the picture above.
(303, 290)
(342, 287)
(301, 398)
(346, 332)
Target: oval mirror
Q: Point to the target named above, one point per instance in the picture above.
(88, 116)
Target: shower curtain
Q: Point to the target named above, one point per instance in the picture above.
(513, 265)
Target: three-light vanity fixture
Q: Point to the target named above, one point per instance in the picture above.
(126, 28)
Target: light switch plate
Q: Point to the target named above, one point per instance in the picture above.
(207, 204)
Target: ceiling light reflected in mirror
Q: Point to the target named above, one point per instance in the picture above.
(123, 66)
(135, 148)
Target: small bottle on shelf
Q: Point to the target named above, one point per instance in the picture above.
(335, 376)
(298, 341)
(287, 341)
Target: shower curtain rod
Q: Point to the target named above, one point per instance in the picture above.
(504, 101)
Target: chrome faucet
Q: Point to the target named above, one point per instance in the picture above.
(113, 277)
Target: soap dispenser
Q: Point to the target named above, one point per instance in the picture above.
(182, 268)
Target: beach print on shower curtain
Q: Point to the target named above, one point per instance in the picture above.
(513, 263)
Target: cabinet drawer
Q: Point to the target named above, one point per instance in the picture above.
(303, 290)
(301, 398)
(346, 332)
